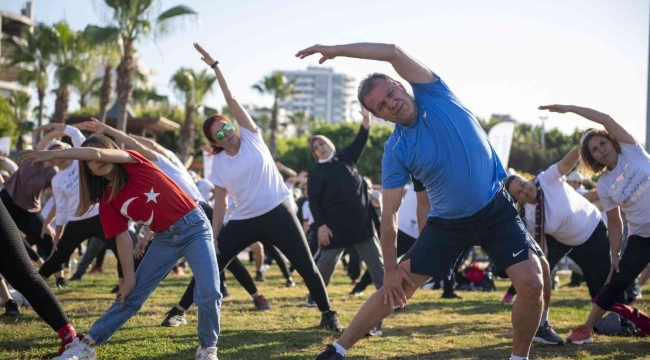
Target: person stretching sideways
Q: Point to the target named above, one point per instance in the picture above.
(439, 142)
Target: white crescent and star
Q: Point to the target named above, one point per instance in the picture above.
(151, 196)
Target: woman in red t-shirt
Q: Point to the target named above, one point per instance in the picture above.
(127, 187)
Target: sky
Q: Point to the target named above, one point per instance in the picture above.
(498, 56)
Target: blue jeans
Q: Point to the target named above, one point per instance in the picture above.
(190, 237)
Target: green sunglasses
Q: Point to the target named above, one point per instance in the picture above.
(220, 134)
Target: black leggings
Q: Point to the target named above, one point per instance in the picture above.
(235, 267)
(29, 224)
(75, 233)
(239, 272)
(634, 260)
(281, 228)
(277, 256)
(17, 269)
(404, 243)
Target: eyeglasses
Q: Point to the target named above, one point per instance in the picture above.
(220, 134)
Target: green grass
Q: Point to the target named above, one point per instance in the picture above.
(477, 327)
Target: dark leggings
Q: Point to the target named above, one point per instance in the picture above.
(30, 252)
(99, 260)
(75, 233)
(240, 273)
(281, 228)
(29, 224)
(235, 267)
(592, 256)
(404, 243)
(634, 260)
(277, 256)
(19, 272)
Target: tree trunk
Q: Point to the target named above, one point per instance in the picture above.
(41, 101)
(82, 100)
(274, 127)
(187, 133)
(125, 72)
(105, 91)
(61, 104)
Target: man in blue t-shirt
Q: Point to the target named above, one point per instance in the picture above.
(439, 142)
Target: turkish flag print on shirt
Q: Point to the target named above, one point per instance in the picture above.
(149, 198)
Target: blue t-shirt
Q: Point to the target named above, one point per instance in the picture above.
(447, 150)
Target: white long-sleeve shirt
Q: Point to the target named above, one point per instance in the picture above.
(65, 186)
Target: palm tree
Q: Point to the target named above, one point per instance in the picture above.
(36, 53)
(192, 88)
(20, 102)
(132, 20)
(277, 86)
(301, 120)
(106, 42)
(69, 56)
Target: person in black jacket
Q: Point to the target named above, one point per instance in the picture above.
(340, 204)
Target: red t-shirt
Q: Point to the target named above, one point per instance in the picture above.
(149, 198)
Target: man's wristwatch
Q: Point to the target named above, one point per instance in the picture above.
(215, 64)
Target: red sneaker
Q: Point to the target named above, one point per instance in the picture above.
(580, 335)
(96, 270)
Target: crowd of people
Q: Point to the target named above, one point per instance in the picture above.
(444, 193)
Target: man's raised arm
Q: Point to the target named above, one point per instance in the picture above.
(406, 66)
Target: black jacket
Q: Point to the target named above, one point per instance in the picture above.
(338, 196)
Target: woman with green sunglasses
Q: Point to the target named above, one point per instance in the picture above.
(244, 169)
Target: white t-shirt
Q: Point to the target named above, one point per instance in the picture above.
(205, 188)
(627, 186)
(569, 217)
(180, 176)
(306, 213)
(65, 186)
(250, 176)
(407, 218)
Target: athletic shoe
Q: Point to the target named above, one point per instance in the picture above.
(546, 335)
(224, 291)
(330, 354)
(96, 270)
(61, 283)
(179, 271)
(261, 303)
(11, 308)
(311, 302)
(259, 277)
(290, 283)
(580, 335)
(451, 295)
(376, 330)
(356, 290)
(174, 318)
(78, 350)
(508, 298)
(206, 354)
(330, 321)
(75, 277)
(116, 289)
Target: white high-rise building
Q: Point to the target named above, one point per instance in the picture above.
(322, 93)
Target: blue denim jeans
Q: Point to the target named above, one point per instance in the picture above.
(190, 237)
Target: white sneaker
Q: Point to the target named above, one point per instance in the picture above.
(206, 354)
(77, 350)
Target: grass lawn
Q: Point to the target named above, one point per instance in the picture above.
(477, 327)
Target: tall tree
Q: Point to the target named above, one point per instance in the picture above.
(36, 52)
(277, 86)
(68, 59)
(107, 47)
(133, 20)
(20, 103)
(191, 87)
